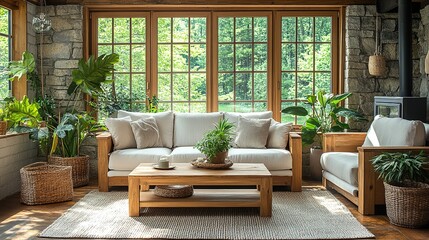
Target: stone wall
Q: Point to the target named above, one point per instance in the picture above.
(424, 45)
(360, 44)
(16, 151)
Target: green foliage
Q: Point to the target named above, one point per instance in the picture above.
(70, 133)
(217, 140)
(91, 74)
(152, 107)
(23, 113)
(19, 68)
(325, 115)
(396, 167)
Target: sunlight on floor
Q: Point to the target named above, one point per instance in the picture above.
(331, 205)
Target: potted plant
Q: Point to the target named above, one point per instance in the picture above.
(20, 115)
(75, 126)
(325, 116)
(216, 143)
(407, 197)
(3, 120)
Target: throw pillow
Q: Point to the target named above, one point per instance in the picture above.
(146, 133)
(122, 134)
(278, 134)
(252, 133)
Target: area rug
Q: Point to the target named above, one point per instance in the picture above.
(311, 214)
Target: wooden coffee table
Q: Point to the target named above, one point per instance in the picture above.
(242, 174)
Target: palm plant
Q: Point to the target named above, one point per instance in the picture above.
(217, 140)
(325, 115)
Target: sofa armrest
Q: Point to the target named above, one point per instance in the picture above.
(343, 141)
(295, 148)
(105, 146)
(371, 189)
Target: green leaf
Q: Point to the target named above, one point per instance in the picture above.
(335, 100)
(295, 110)
(26, 65)
(23, 113)
(311, 99)
(321, 97)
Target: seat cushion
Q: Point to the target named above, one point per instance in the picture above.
(234, 116)
(185, 154)
(395, 132)
(128, 159)
(343, 165)
(164, 120)
(274, 159)
(189, 128)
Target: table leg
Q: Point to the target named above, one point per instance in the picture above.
(144, 188)
(133, 197)
(266, 194)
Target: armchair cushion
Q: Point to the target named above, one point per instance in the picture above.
(344, 165)
(395, 132)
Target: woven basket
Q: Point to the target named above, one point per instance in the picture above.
(3, 127)
(408, 206)
(377, 65)
(174, 191)
(42, 183)
(80, 168)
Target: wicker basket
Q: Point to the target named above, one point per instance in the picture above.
(377, 65)
(80, 168)
(408, 206)
(42, 183)
(3, 127)
(174, 191)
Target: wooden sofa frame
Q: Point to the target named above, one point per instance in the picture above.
(105, 147)
(370, 188)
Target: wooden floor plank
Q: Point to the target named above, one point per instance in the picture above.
(18, 221)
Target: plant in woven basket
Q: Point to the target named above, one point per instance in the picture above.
(217, 142)
(396, 167)
(407, 198)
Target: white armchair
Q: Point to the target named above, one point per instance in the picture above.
(346, 166)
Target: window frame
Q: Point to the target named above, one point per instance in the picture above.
(274, 84)
(8, 36)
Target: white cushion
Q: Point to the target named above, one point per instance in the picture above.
(343, 165)
(395, 132)
(252, 133)
(122, 134)
(274, 159)
(353, 190)
(146, 133)
(189, 128)
(164, 120)
(278, 135)
(128, 159)
(234, 116)
(185, 154)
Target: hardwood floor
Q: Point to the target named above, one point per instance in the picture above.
(18, 221)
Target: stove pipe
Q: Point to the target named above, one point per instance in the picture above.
(405, 47)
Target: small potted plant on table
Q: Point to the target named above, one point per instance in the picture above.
(216, 143)
(406, 195)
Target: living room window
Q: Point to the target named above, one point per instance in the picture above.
(200, 61)
(5, 51)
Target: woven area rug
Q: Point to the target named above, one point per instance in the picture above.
(311, 214)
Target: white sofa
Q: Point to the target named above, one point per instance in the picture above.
(179, 132)
(346, 162)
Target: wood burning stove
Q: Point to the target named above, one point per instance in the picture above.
(411, 108)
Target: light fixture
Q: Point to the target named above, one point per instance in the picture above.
(40, 22)
(377, 63)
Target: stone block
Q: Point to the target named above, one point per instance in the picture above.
(77, 53)
(57, 50)
(390, 51)
(356, 65)
(68, 36)
(368, 23)
(62, 72)
(388, 25)
(65, 10)
(354, 73)
(50, 10)
(367, 34)
(360, 85)
(353, 23)
(353, 51)
(66, 64)
(389, 37)
(370, 10)
(54, 81)
(60, 24)
(353, 42)
(423, 88)
(355, 10)
(368, 46)
(424, 14)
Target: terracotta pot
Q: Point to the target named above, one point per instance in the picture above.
(315, 167)
(219, 158)
(3, 127)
